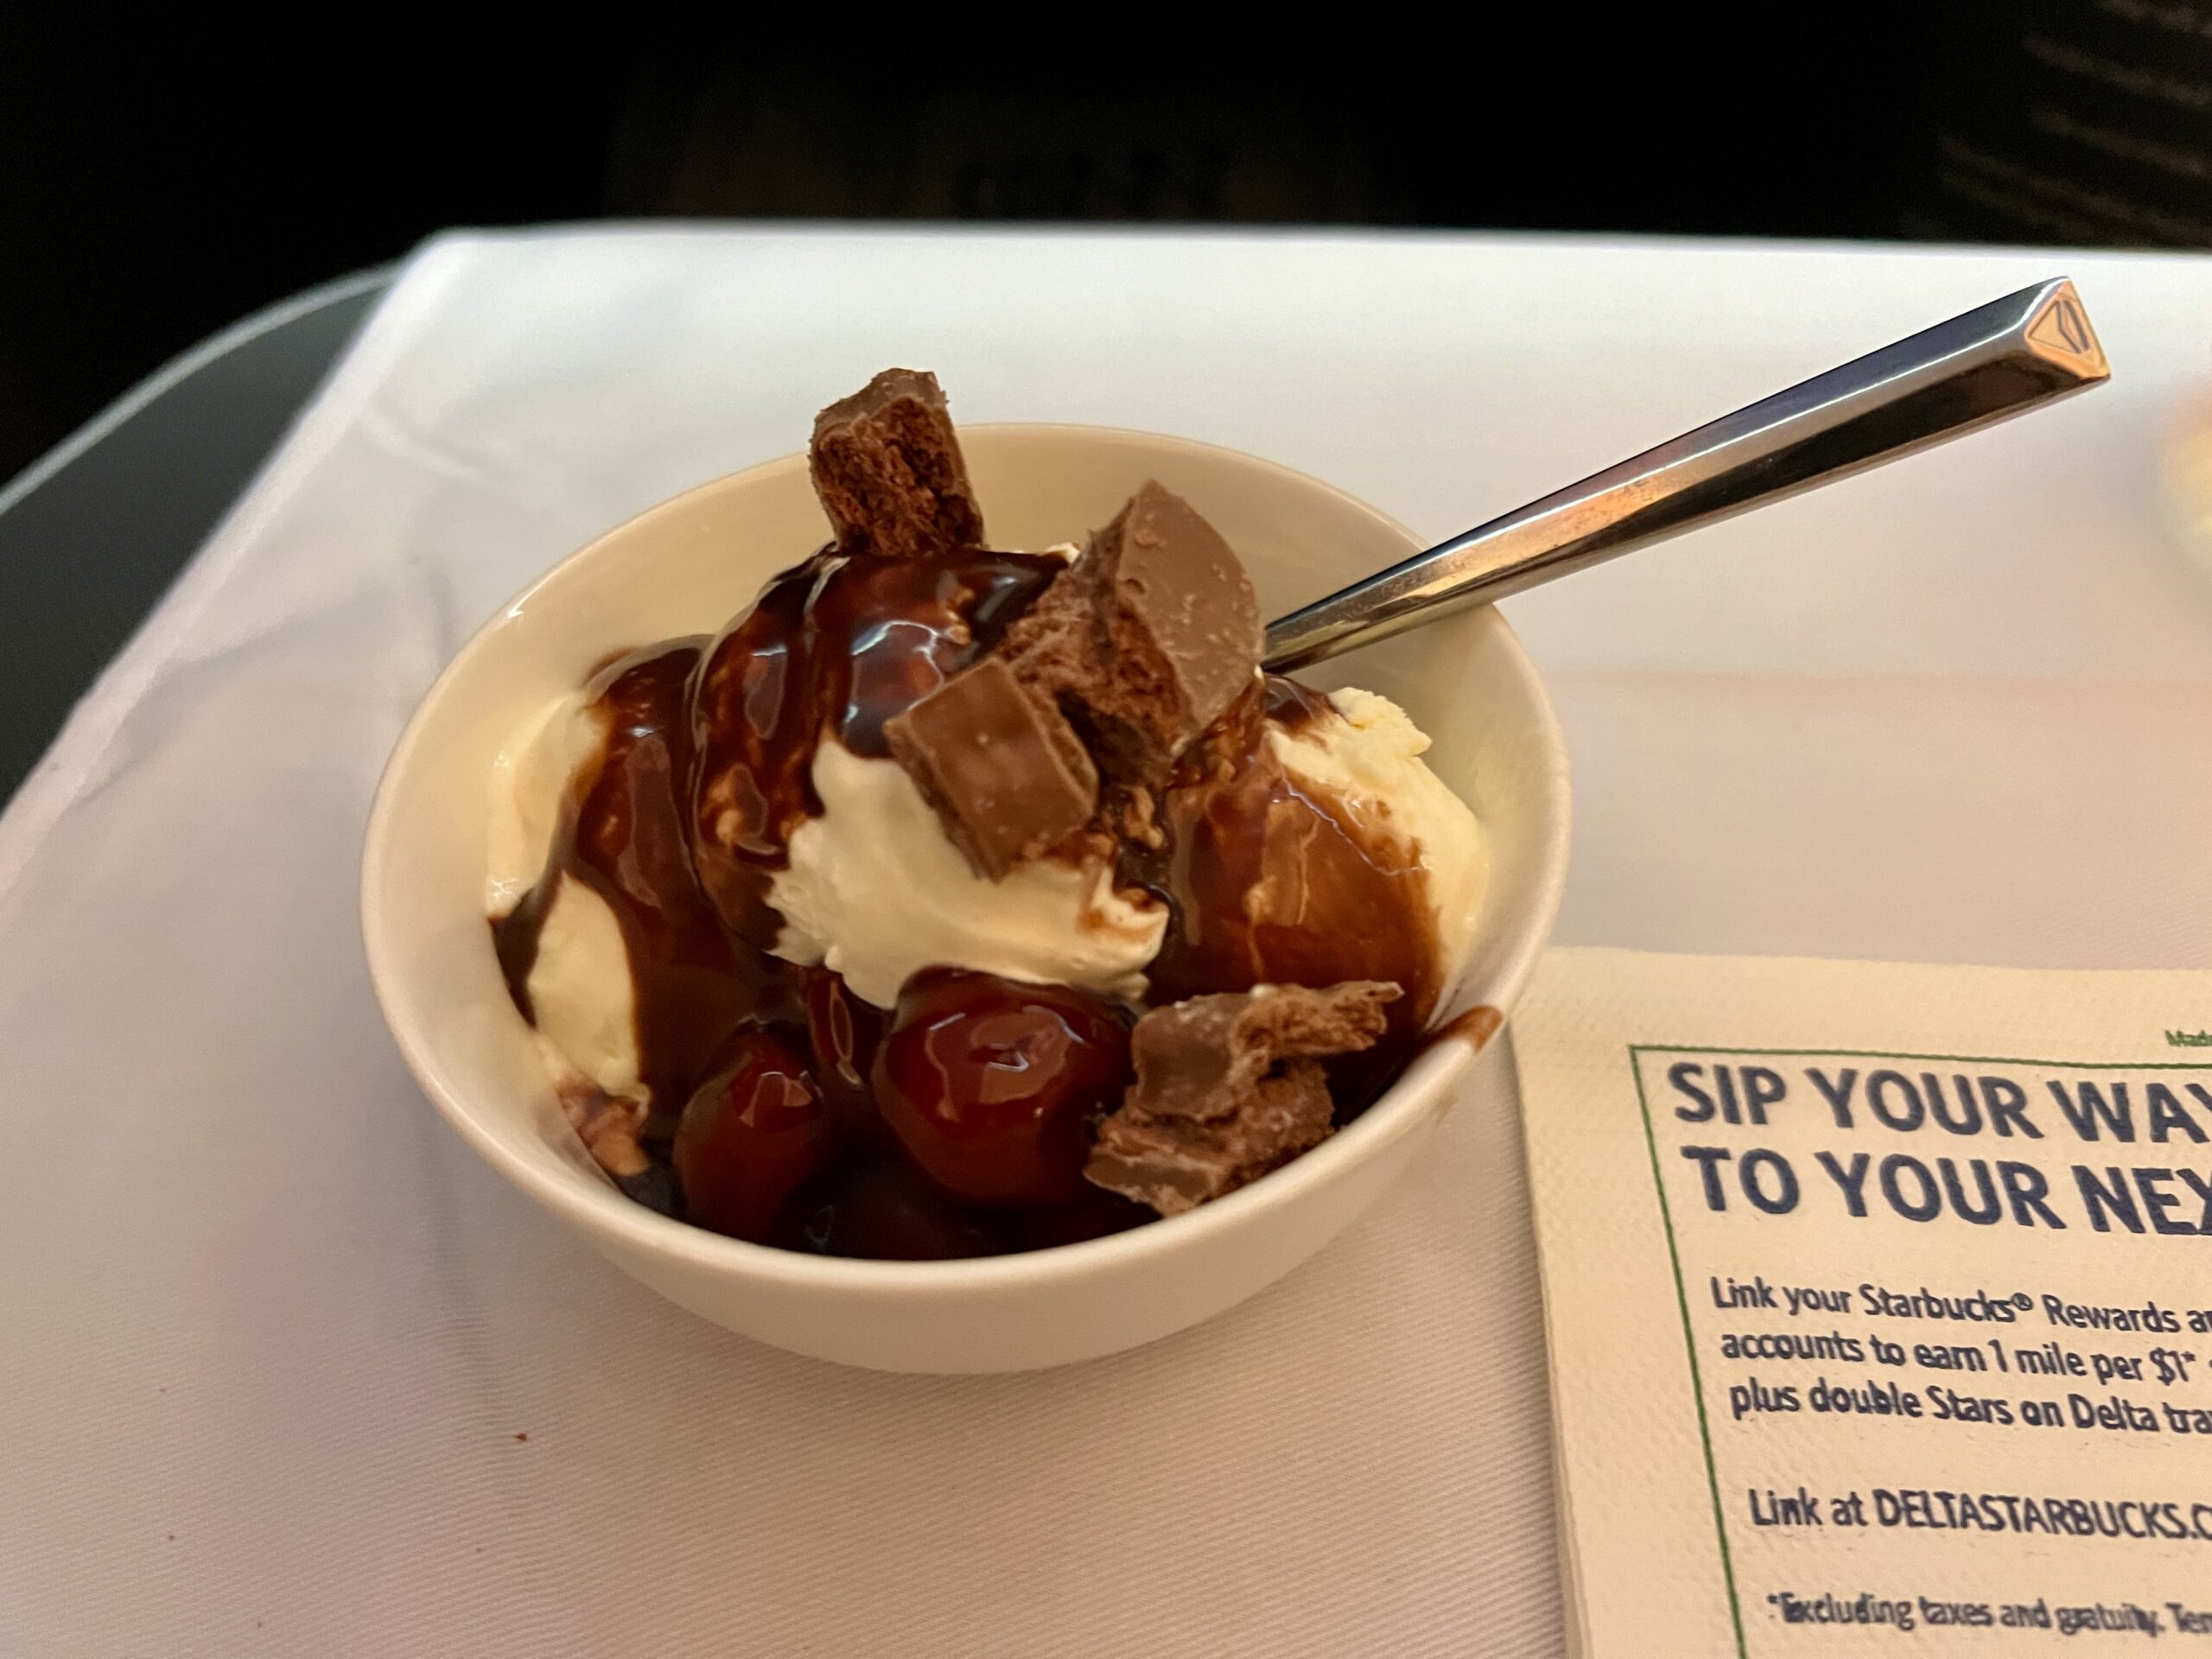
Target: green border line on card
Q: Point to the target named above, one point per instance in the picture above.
(1689, 1344)
(2204, 1065)
(1636, 1052)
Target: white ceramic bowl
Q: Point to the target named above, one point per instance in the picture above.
(686, 566)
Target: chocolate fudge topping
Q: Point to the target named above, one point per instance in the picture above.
(1001, 765)
(1229, 1087)
(1112, 706)
(1147, 638)
(887, 467)
(1270, 883)
(837, 646)
(621, 832)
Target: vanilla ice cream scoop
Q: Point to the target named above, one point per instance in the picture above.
(875, 890)
(581, 996)
(1364, 755)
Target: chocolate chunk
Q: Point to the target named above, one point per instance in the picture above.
(1174, 1165)
(1001, 764)
(1148, 638)
(1194, 1058)
(1228, 1087)
(887, 467)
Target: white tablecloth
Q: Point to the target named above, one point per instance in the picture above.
(288, 1370)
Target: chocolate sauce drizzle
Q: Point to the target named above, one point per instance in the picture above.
(622, 832)
(839, 644)
(1268, 883)
(681, 819)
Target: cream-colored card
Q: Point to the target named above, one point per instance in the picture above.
(1879, 1298)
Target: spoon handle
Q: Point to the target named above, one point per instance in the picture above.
(2002, 359)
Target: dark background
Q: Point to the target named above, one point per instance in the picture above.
(154, 190)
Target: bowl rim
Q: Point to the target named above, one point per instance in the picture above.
(605, 1212)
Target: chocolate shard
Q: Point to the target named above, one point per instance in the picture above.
(1228, 1087)
(1194, 1058)
(887, 467)
(1148, 638)
(1173, 1165)
(1003, 767)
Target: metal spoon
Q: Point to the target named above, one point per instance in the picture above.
(2011, 355)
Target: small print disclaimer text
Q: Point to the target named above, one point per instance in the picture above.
(1904, 1614)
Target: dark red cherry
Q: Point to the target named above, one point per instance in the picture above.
(750, 1135)
(844, 1033)
(992, 1086)
(883, 1210)
(1095, 1214)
